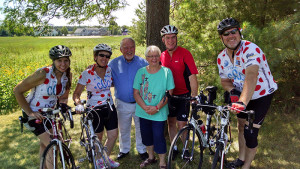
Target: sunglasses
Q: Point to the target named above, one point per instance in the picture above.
(154, 56)
(102, 55)
(230, 32)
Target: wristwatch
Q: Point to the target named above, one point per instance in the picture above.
(157, 109)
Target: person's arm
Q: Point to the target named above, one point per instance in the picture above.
(77, 93)
(249, 84)
(139, 100)
(30, 82)
(64, 98)
(227, 84)
(194, 85)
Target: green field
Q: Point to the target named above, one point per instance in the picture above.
(279, 140)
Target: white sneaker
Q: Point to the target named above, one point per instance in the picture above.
(100, 164)
(114, 164)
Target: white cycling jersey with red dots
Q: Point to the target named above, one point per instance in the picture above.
(98, 89)
(44, 95)
(248, 54)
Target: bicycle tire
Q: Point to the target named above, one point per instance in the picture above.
(100, 154)
(48, 160)
(218, 160)
(183, 162)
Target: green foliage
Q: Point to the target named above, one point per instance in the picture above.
(23, 17)
(274, 26)
(64, 31)
(114, 28)
(138, 30)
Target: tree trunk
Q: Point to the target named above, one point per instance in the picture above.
(157, 16)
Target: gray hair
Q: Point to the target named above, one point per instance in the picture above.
(122, 41)
(152, 48)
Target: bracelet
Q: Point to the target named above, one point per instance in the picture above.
(157, 109)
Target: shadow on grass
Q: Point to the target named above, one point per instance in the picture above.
(279, 144)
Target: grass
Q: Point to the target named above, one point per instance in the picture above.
(279, 144)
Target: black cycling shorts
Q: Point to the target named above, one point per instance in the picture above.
(109, 119)
(179, 108)
(37, 128)
(260, 107)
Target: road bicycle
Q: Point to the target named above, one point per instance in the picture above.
(57, 154)
(192, 140)
(95, 151)
(223, 142)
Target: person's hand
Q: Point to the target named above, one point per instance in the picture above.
(36, 115)
(79, 108)
(237, 107)
(151, 110)
(234, 95)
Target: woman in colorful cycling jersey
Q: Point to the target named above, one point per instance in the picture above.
(48, 85)
(98, 79)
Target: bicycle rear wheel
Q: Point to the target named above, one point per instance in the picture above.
(53, 158)
(189, 152)
(100, 155)
(219, 157)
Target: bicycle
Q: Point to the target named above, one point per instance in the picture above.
(192, 138)
(222, 142)
(89, 140)
(57, 154)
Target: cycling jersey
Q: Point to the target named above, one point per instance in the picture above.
(182, 66)
(98, 89)
(44, 95)
(247, 55)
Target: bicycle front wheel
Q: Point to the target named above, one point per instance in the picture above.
(219, 157)
(100, 157)
(189, 151)
(53, 158)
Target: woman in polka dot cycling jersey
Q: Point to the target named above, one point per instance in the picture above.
(245, 73)
(48, 85)
(98, 79)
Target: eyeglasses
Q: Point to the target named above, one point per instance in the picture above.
(153, 56)
(102, 55)
(230, 32)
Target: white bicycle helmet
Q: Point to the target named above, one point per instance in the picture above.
(168, 29)
(102, 47)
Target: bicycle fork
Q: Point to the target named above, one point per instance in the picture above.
(60, 151)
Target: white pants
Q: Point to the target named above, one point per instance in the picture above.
(126, 111)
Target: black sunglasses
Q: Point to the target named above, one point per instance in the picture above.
(230, 32)
(102, 55)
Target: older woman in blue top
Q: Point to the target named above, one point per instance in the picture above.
(150, 84)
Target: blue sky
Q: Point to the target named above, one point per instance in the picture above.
(124, 16)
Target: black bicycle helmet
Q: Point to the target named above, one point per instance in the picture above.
(168, 29)
(102, 47)
(59, 51)
(226, 24)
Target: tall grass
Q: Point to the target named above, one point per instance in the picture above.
(21, 56)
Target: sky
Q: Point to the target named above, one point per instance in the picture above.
(124, 16)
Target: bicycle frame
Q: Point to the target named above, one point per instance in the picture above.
(54, 117)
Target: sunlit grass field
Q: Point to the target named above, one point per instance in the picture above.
(279, 139)
(21, 56)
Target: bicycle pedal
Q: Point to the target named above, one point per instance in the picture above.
(82, 143)
(81, 160)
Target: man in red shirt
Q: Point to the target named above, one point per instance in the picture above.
(183, 67)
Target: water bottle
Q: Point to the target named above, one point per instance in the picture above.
(201, 126)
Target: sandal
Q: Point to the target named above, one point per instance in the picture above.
(148, 162)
